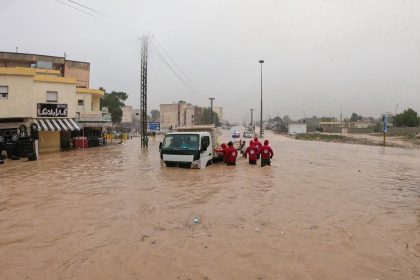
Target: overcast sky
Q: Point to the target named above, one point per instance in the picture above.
(321, 56)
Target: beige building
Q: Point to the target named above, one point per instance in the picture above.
(182, 114)
(41, 97)
(77, 70)
(41, 102)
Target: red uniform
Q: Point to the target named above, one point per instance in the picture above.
(230, 156)
(257, 143)
(265, 151)
(252, 152)
(225, 150)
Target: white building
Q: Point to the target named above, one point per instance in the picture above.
(296, 128)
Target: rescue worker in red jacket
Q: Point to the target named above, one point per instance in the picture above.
(252, 152)
(220, 153)
(258, 145)
(266, 154)
(232, 153)
(225, 150)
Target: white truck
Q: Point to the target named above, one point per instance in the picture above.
(194, 147)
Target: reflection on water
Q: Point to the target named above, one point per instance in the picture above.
(321, 211)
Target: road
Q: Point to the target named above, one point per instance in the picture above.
(321, 211)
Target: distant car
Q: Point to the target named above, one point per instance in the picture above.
(236, 134)
(247, 134)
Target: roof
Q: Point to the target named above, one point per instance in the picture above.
(40, 55)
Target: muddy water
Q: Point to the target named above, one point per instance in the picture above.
(321, 211)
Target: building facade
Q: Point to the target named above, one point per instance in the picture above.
(41, 99)
(183, 114)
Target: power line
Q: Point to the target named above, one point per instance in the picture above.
(86, 7)
(80, 10)
(191, 89)
(187, 81)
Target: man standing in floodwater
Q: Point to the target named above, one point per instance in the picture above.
(230, 156)
(258, 145)
(266, 154)
(252, 152)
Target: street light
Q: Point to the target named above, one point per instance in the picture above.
(261, 115)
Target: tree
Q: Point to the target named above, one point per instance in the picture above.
(155, 115)
(287, 119)
(408, 118)
(114, 101)
(327, 119)
(355, 117)
(206, 117)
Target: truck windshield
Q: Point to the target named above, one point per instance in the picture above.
(181, 142)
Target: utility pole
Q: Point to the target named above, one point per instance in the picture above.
(341, 122)
(395, 118)
(211, 109)
(261, 115)
(252, 120)
(143, 91)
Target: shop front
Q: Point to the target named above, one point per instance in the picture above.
(53, 128)
(15, 139)
(94, 126)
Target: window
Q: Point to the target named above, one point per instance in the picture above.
(52, 96)
(205, 142)
(181, 142)
(80, 102)
(4, 92)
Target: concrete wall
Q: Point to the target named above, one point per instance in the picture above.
(189, 116)
(20, 99)
(87, 100)
(80, 71)
(168, 115)
(66, 95)
(361, 130)
(127, 116)
(331, 130)
(403, 130)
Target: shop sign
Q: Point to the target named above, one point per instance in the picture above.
(90, 117)
(52, 110)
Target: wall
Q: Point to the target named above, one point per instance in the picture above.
(168, 115)
(87, 99)
(294, 128)
(20, 100)
(66, 95)
(127, 116)
(80, 71)
(331, 130)
(403, 130)
(361, 130)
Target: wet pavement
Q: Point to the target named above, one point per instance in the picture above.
(321, 211)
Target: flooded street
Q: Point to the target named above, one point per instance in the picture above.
(321, 211)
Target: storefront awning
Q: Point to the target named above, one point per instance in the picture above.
(45, 124)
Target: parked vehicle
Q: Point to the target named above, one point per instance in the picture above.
(236, 134)
(248, 134)
(192, 147)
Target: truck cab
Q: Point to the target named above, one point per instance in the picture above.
(187, 149)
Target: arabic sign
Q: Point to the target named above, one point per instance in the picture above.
(52, 110)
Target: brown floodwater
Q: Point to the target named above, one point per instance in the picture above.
(321, 211)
